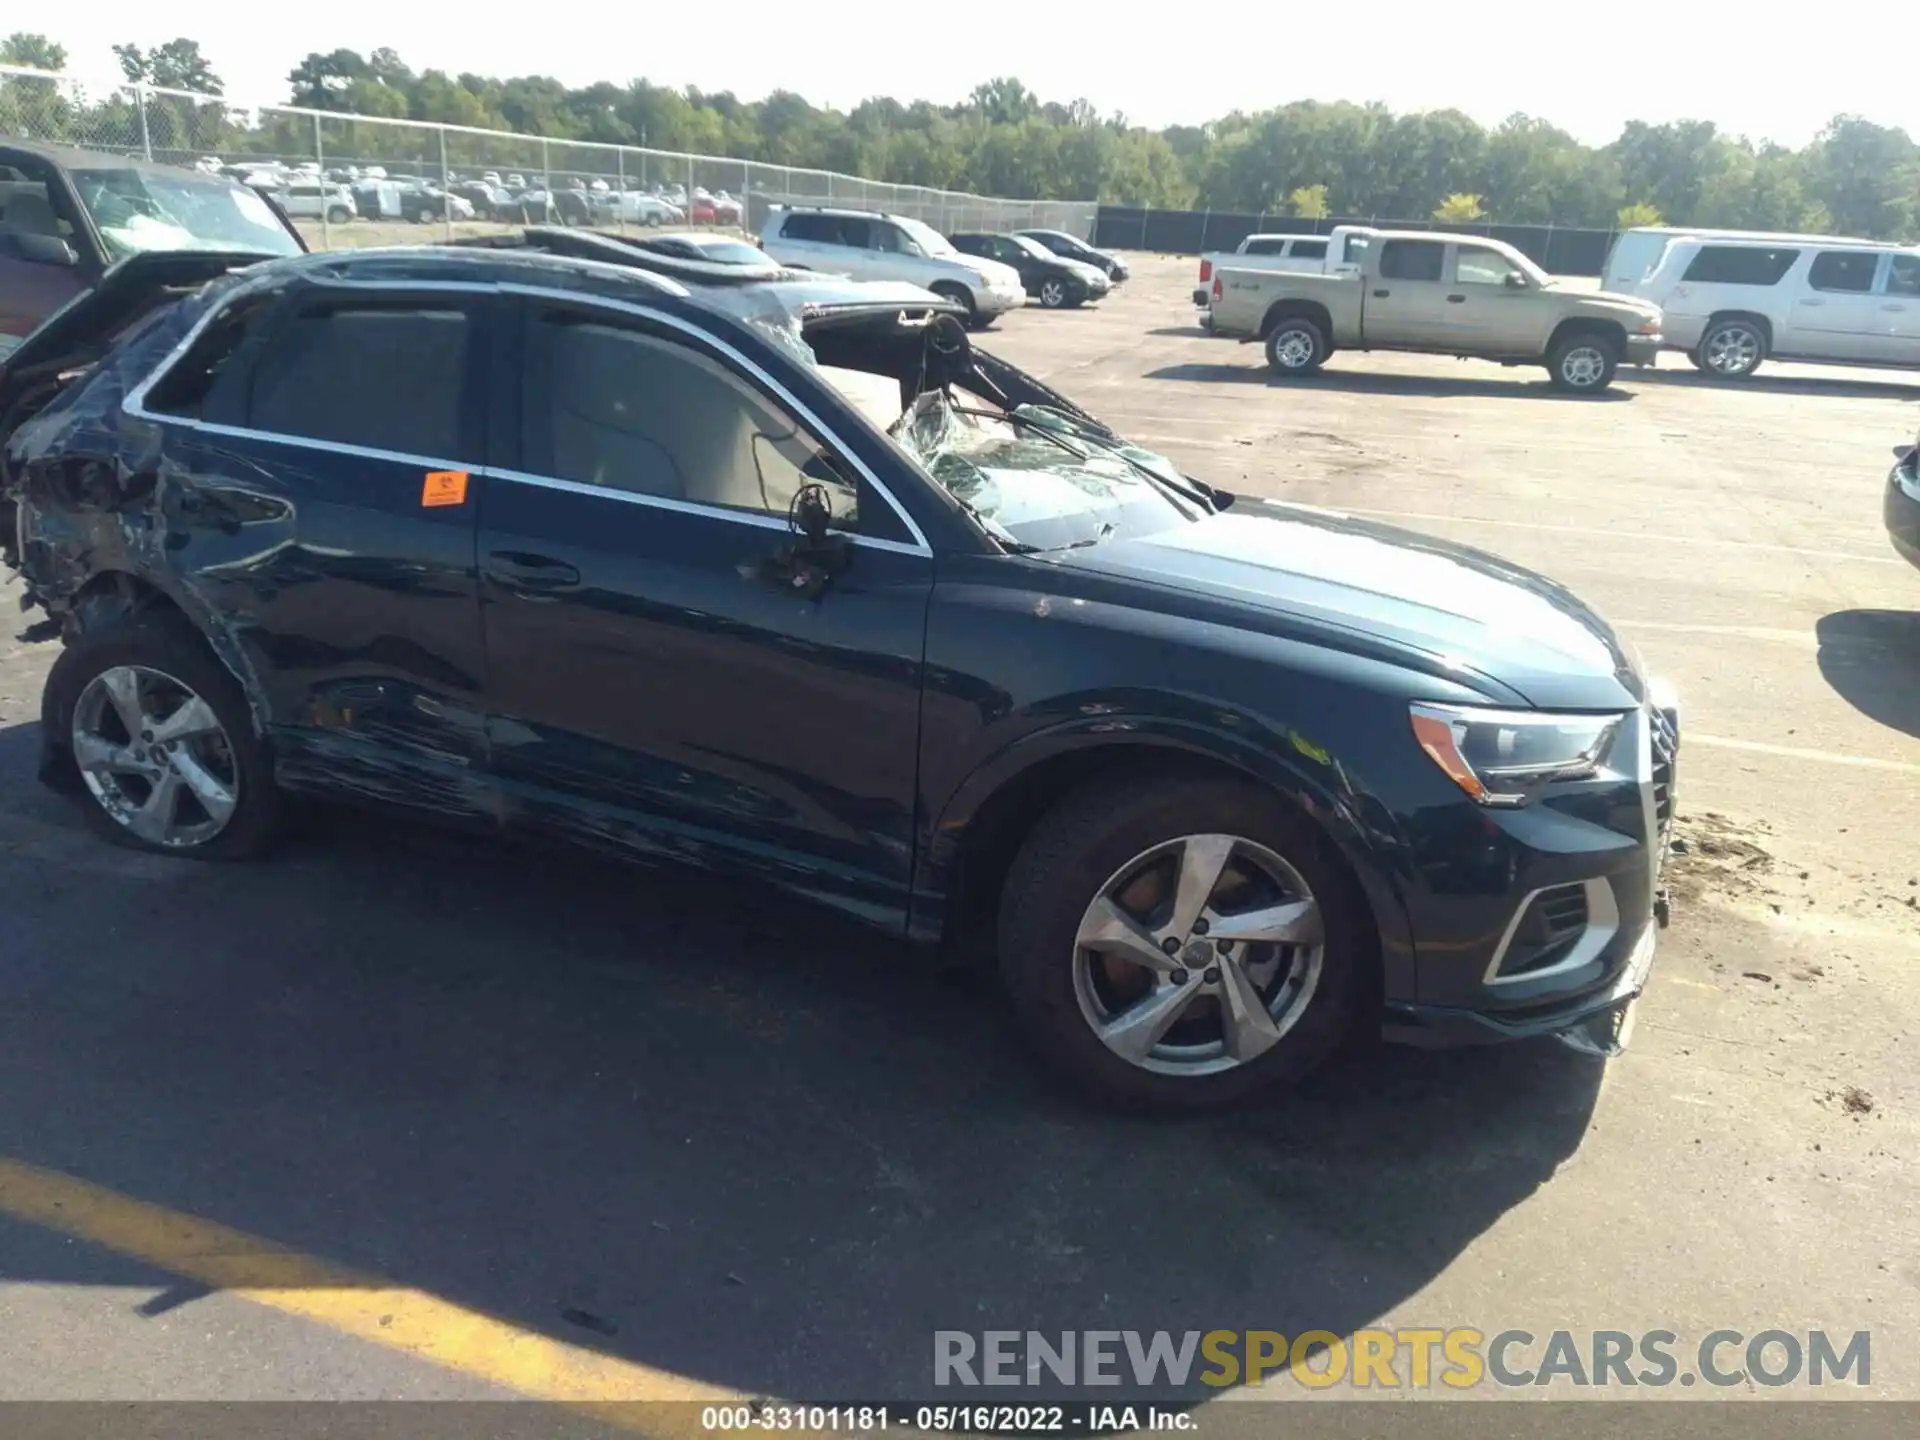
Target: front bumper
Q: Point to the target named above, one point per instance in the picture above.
(1491, 967)
(1902, 508)
(998, 300)
(1643, 349)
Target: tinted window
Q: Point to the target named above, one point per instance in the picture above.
(1412, 259)
(822, 228)
(1356, 249)
(1740, 265)
(1266, 247)
(855, 230)
(1848, 270)
(882, 236)
(389, 377)
(1309, 250)
(1903, 275)
(621, 408)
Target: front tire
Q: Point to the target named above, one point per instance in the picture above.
(1582, 364)
(160, 738)
(1178, 946)
(338, 216)
(1054, 294)
(1296, 346)
(1731, 349)
(960, 296)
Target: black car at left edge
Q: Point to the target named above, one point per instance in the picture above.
(774, 574)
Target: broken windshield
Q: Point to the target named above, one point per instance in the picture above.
(137, 210)
(1034, 478)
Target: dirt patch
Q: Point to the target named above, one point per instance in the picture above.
(1717, 857)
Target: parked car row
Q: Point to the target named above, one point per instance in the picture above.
(986, 274)
(1727, 300)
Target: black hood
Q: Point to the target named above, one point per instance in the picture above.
(1460, 610)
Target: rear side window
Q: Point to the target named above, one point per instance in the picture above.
(1309, 250)
(825, 229)
(1740, 265)
(1412, 260)
(1266, 247)
(391, 377)
(1903, 275)
(1850, 271)
(1356, 250)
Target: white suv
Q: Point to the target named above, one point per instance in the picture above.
(311, 200)
(868, 246)
(1732, 303)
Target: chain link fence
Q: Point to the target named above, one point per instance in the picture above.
(349, 179)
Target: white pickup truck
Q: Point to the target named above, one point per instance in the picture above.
(1337, 253)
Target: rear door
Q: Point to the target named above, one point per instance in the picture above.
(1405, 302)
(1834, 313)
(323, 459)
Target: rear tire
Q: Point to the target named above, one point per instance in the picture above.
(1582, 363)
(1310, 993)
(1295, 346)
(169, 660)
(339, 216)
(1054, 293)
(1731, 349)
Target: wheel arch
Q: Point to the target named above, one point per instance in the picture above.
(111, 596)
(1611, 330)
(970, 848)
(1297, 309)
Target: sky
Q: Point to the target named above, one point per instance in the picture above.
(1586, 68)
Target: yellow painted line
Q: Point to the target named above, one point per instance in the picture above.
(396, 1317)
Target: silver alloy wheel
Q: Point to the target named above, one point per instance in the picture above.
(1053, 294)
(1732, 350)
(1584, 366)
(1198, 955)
(155, 756)
(1293, 349)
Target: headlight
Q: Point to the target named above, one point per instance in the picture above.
(1505, 757)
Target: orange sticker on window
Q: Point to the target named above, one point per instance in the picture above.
(444, 487)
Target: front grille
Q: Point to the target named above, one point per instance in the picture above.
(1553, 923)
(1666, 744)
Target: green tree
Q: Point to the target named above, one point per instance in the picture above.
(1459, 209)
(1309, 202)
(176, 65)
(33, 52)
(1638, 213)
(1866, 175)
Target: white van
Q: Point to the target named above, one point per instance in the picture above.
(1338, 253)
(1636, 253)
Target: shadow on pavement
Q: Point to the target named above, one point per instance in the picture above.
(750, 1145)
(1871, 658)
(1377, 382)
(1685, 376)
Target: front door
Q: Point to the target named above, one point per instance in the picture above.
(1405, 303)
(658, 684)
(1497, 307)
(1835, 314)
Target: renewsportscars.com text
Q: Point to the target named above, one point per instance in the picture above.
(1403, 1359)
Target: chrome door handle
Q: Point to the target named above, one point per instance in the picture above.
(1456, 299)
(1811, 303)
(1381, 294)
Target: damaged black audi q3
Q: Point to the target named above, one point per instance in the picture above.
(778, 576)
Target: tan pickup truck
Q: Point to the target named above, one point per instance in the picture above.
(1443, 295)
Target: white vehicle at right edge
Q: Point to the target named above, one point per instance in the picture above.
(1731, 304)
(869, 246)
